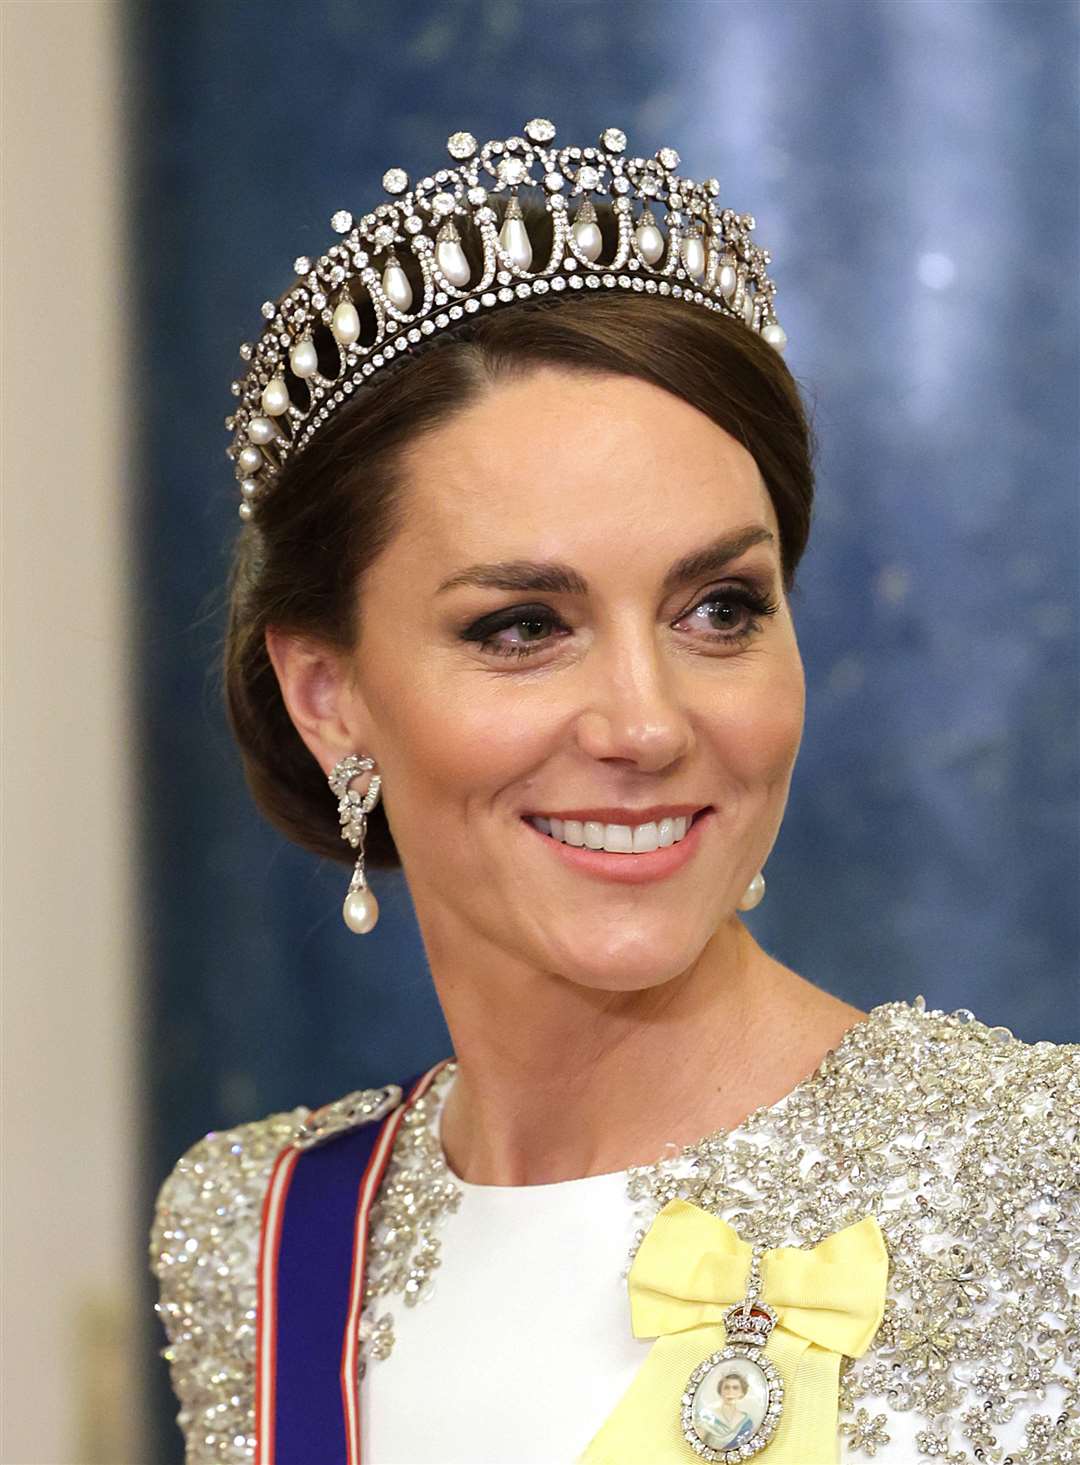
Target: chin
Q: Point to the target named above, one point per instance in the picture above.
(636, 962)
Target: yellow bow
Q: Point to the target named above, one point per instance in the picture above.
(690, 1268)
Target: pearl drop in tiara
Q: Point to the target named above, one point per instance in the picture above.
(353, 310)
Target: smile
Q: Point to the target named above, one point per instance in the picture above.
(622, 839)
(609, 852)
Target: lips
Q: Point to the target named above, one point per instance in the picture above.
(628, 869)
(611, 815)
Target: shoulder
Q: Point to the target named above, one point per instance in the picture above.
(204, 1252)
(212, 1199)
(213, 1187)
(979, 1070)
(204, 1249)
(975, 1128)
(965, 1137)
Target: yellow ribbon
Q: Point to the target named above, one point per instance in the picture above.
(690, 1268)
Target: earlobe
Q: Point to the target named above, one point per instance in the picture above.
(317, 693)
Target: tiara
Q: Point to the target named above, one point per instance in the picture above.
(353, 311)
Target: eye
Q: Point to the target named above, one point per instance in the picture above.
(730, 615)
(532, 620)
(733, 613)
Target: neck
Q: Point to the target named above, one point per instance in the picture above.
(557, 1081)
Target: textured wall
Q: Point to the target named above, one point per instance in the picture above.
(71, 1258)
(913, 168)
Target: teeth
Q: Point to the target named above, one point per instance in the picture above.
(618, 838)
(594, 834)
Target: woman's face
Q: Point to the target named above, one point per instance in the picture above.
(731, 1391)
(630, 693)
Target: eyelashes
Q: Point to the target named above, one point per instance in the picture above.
(754, 605)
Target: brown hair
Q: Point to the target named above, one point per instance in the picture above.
(338, 504)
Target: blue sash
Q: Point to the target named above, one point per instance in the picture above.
(311, 1273)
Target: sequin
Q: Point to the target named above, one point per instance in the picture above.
(959, 1138)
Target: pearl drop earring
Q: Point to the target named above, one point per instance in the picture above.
(361, 909)
(755, 893)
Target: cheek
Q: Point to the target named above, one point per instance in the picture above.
(447, 739)
(759, 735)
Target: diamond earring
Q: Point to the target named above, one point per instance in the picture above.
(755, 893)
(361, 909)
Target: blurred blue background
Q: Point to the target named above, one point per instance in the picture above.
(912, 167)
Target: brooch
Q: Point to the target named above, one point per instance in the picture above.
(365, 1106)
(733, 1399)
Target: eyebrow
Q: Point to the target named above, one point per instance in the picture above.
(561, 579)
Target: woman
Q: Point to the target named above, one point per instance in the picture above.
(728, 1422)
(523, 601)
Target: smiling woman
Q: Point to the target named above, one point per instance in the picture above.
(524, 601)
(336, 507)
(632, 680)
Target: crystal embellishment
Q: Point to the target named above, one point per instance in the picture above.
(960, 1139)
(395, 180)
(511, 170)
(417, 1195)
(365, 1106)
(540, 129)
(918, 1117)
(461, 145)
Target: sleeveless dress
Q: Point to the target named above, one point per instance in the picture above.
(496, 1322)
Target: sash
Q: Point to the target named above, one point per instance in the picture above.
(312, 1253)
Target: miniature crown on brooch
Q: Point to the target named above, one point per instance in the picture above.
(353, 310)
(750, 1322)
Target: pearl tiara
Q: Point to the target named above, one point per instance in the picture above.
(353, 310)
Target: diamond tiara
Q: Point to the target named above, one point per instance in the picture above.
(353, 311)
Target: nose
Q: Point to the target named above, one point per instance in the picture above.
(634, 702)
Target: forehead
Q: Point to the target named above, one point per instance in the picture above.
(561, 463)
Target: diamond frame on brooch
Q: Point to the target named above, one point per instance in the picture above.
(773, 1408)
(747, 1326)
(291, 389)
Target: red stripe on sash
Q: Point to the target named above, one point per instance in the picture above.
(268, 1284)
(369, 1187)
(266, 1337)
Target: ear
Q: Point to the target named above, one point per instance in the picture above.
(320, 695)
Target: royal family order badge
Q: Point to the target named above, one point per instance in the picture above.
(733, 1399)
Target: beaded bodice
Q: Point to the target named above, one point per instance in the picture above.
(960, 1139)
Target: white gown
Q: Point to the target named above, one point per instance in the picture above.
(960, 1139)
